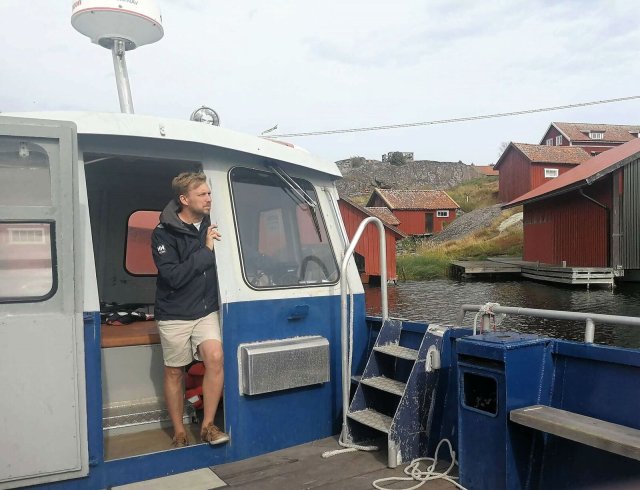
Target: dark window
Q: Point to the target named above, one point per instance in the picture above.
(480, 393)
(283, 240)
(27, 271)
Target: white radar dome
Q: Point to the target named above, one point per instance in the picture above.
(137, 22)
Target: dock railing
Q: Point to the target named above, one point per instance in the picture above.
(346, 338)
(590, 319)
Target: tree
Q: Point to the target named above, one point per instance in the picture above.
(397, 158)
(503, 146)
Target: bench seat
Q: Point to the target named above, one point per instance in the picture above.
(617, 439)
(136, 333)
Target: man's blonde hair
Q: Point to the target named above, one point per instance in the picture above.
(186, 181)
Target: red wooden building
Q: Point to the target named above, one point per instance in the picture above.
(593, 138)
(524, 167)
(589, 216)
(419, 212)
(367, 251)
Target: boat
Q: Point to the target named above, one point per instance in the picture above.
(82, 403)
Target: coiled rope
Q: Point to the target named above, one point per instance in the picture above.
(494, 318)
(415, 474)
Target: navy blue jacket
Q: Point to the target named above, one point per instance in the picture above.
(187, 284)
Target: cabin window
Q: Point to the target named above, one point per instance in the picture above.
(26, 261)
(550, 142)
(550, 173)
(596, 135)
(558, 140)
(283, 240)
(25, 178)
(442, 213)
(138, 256)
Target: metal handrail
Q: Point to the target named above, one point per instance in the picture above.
(346, 369)
(588, 318)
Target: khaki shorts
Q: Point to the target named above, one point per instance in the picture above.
(180, 338)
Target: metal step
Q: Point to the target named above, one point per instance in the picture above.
(373, 419)
(139, 413)
(385, 384)
(398, 351)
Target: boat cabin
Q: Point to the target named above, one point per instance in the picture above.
(80, 196)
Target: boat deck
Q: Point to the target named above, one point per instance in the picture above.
(302, 467)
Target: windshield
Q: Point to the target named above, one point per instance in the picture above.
(283, 239)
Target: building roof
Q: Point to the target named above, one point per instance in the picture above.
(384, 214)
(567, 155)
(487, 170)
(414, 199)
(579, 132)
(366, 212)
(582, 175)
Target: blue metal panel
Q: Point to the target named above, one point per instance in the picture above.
(411, 425)
(264, 423)
(445, 414)
(601, 382)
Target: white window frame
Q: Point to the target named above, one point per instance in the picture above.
(559, 140)
(596, 135)
(442, 213)
(551, 173)
(550, 142)
(16, 239)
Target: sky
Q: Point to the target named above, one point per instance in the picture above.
(312, 66)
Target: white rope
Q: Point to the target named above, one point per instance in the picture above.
(487, 310)
(415, 474)
(349, 447)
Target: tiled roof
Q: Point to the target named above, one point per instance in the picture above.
(589, 171)
(384, 214)
(367, 212)
(568, 155)
(413, 199)
(579, 132)
(486, 170)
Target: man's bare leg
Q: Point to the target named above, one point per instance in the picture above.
(174, 397)
(210, 352)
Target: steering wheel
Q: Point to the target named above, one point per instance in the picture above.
(317, 261)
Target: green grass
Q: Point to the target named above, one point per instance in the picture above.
(475, 193)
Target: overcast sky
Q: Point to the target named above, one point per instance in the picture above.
(341, 64)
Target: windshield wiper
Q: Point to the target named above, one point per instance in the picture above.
(298, 192)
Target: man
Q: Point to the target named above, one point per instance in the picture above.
(187, 301)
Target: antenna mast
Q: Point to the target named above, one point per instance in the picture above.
(119, 26)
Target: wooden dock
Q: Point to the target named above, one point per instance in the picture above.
(534, 270)
(474, 268)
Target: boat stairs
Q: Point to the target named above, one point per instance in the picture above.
(494, 266)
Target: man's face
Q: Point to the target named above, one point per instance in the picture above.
(198, 200)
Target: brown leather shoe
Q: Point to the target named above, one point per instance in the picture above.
(213, 435)
(180, 440)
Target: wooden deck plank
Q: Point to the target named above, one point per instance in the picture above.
(303, 467)
(614, 438)
(485, 267)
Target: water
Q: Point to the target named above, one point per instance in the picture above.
(439, 301)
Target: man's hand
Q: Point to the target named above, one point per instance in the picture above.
(212, 235)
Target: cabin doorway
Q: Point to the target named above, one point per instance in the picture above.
(126, 195)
